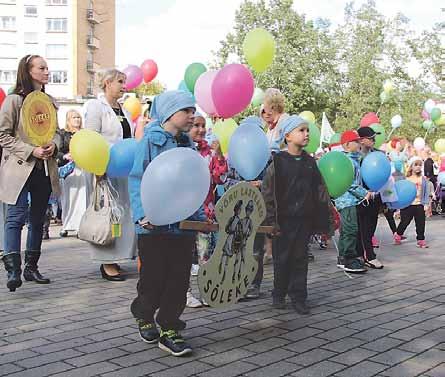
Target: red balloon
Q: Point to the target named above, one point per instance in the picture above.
(368, 119)
(2, 96)
(149, 69)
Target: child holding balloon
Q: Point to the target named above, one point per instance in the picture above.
(348, 258)
(418, 207)
(297, 207)
(165, 251)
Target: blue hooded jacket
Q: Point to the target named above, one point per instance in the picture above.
(156, 141)
(356, 192)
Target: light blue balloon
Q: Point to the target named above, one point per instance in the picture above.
(441, 178)
(406, 193)
(375, 170)
(121, 158)
(183, 86)
(249, 151)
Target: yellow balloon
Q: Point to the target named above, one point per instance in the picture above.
(224, 129)
(307, 116)
(440, 146)
(133, 106)
(259, 49)
(90, 151)
(388, 86)
(440, 121)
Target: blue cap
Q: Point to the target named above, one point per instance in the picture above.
(168, 103)
(290, 124)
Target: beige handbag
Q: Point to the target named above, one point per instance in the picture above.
(97, 222)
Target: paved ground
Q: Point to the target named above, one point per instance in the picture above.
(386, 323)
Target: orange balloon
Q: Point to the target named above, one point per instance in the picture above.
(133, 106)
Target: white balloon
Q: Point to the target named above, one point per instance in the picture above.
(174, 186)
(396, 121)
(419, 143)
(429, 105)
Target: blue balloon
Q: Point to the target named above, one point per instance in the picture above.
(406, 193)
(375, 170)
(183, 86)
(249, 151)
(121, 158)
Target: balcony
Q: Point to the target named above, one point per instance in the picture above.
(93, 42)
(92, 16)
(92, 67)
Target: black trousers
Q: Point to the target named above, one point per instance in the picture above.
(407, 214)
(389, 215)
(290, 262)
(166, 260)
(258, 251)
(367, 224)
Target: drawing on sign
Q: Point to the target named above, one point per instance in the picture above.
(224, 279)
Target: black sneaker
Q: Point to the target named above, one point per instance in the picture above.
(278, 303)
(172, 342)
(253, 292)
(301, 307)
(341, 262)
(310, 257)
(354, 266)
(148, 331)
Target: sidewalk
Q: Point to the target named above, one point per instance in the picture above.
(385, 323)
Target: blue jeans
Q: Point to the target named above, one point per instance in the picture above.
(38, 186)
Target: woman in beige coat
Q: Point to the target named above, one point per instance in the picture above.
(22, 174)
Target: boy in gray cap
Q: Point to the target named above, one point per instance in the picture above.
(297, 207)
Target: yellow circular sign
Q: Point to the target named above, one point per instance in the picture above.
(39, 118)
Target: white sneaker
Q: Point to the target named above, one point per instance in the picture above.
(192, 302)
(375, 263)
(195, 269)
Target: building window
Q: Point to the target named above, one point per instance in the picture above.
(56, 51)
(8, 50)
(56, 2)
(8, 77)
(7, 23)
(56, 25)
(30, 37)
(58, 77)
(30, 11)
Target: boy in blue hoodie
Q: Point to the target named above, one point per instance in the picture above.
(346, 204)
(165, 251)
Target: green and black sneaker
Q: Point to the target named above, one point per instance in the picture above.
(148, 331)
(172, 342)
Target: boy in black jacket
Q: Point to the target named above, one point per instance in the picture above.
(297, 207)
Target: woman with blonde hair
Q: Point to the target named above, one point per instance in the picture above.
(106, 116)
(74, 197)
(272, 112)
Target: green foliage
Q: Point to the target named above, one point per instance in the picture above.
(341, 71)
(153, 88)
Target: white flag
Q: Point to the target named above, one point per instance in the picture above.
(326, 130)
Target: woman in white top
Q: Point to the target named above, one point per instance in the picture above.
(272, 112)
(106, 116)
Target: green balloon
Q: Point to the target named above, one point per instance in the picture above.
(314, 138)
(436, 113)
(384, 97)
(192, 73)
(335, 139)
(428, 125)
(337, 171)
(379, 139)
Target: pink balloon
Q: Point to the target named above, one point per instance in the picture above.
(232, 90)
(368, 119)
(425, 115)
(203, 92)
(134, 76)
(149, 69)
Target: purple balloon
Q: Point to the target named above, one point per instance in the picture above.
(232, 90)
(203, 92)
(425, 115)
(134, 76)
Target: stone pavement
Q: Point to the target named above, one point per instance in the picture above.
(386, 323)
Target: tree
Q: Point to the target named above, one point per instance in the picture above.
(341, 71)
(153, 88)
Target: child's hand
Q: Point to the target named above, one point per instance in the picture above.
(276, 232)
(144, 223)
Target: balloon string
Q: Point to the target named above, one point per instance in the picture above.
(378, 111)
(390, 134)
